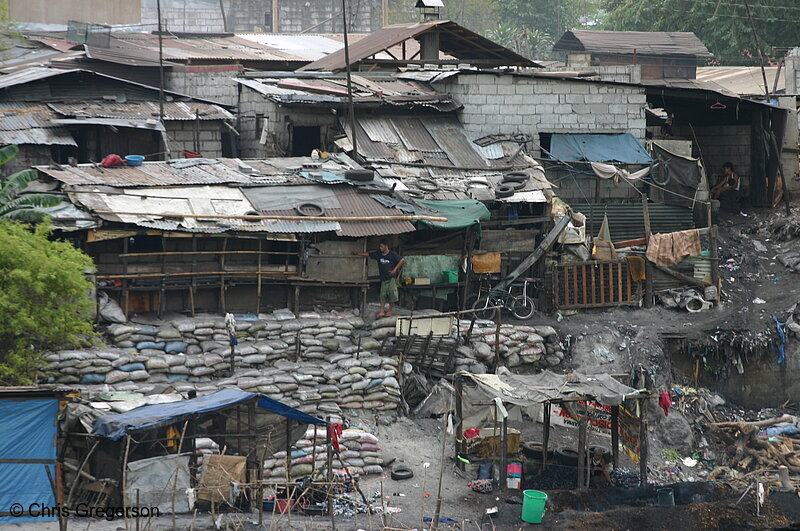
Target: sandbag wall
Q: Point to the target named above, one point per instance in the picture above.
(319, 363)
(360, 453)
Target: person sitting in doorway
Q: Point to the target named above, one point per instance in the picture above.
(601, 468)
(728, 188)
(389, 263)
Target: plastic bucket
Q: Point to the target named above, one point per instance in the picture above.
(134, 160)
(533, 506)
(666, 498)
(450, 277)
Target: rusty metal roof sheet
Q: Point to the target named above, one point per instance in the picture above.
(143, 110)
(454, 40)
(30, 123)
(34, 73)
(633, 42)
(141, 49)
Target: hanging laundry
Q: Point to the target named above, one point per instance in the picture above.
(669, 249)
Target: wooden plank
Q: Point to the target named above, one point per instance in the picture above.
(602, 285)
(583, 278)
(594, 285)
(619, 283)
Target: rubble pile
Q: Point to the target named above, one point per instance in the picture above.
(360, 453)
(319, 363)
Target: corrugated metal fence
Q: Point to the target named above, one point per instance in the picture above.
(626, 220)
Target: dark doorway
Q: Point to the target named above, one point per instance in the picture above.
(305, 139)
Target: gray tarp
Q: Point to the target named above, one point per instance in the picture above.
(154, 478)
(528, 392)
(682, 175)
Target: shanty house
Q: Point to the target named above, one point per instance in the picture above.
(231, 235)
(660, 54)
(58, 114)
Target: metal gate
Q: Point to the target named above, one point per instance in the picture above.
(594, 284)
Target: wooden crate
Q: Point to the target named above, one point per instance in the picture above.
(487, 444)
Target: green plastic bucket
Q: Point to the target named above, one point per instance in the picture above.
(450, 277)
(533, 506)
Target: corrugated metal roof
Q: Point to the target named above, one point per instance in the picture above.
(141, 49)
(148, 174)
(30, 123)
(454, 40)
(439, 149)
(630, 42)
(143, 110)
(309, 47)
(34, 73)
(741, 80)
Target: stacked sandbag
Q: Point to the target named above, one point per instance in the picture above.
(359, 450)
(519, 344)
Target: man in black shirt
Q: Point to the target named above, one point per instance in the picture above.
(389, 263)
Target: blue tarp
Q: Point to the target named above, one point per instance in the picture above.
(27, 431)
(622, 148)
(115, 426)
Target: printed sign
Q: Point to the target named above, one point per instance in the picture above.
(599, 416)
(629, 430)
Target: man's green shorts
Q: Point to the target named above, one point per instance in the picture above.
(389, 290)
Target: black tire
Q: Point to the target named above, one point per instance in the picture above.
(481, 301)
(533, 450)
(516, 185)
(359, 175)
(516, 176)
(523, 307)
(567, 456)
(400, 473)
(504, 190)
(301, 209)
(427, 185)
(602, 449)
(477, 183)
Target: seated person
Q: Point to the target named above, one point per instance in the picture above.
(601, 468)
(727, 189)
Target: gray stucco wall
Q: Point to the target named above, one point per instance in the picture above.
(215, 83)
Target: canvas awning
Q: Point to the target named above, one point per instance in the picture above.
(576, 147)
(460, 213)
(528, 392)
(115, 426)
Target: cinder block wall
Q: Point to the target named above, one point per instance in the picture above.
(182, 135)
(718, 145)
(521, 104)
(185, 19)
(615, 73)
(214, 83)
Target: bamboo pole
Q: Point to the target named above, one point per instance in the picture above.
(277, 218)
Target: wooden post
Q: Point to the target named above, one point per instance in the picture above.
(258, 288)
(649, 295)
(496, 340)
(583, 423)
(222, 275)
(643, 444)
(504, 454)
(615, 434)
(459, 387)
(712, 242)
(125, 281)
(545, 434)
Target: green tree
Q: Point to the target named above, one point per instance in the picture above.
(722, 25)
(14, 205)
(44, 298)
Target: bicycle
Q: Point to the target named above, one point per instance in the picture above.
(520, 305)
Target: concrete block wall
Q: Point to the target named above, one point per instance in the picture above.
(298, 15)
(211, 82)
(29, 155)
(182, 134)
(255, 111)
(614, 73)
(718, 145)
(533, 105)
(185, 19)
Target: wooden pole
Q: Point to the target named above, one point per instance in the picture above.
(496, 340)
(545, 434)
(583, 422)
(459, 388)
(615, 434)
(329, 472)
(351, 112)
(504, 454)
(649, 295)
(712, 242)
(643, 444)
(758, 48)
(435, 521)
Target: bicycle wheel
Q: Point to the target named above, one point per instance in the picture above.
(481, 303)
(522, 307)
